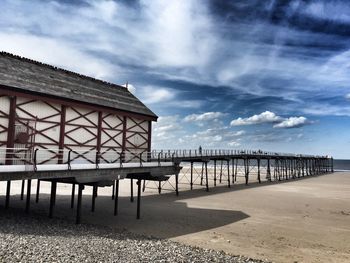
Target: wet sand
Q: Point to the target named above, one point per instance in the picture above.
(305, 220)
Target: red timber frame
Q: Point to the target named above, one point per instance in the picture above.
(38, 134)
(137, 135)
(108, 138)
(4, 129)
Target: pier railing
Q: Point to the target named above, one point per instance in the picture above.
(70, 157)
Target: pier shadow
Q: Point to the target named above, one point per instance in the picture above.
(163, 215)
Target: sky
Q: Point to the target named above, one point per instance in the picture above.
(244, 74)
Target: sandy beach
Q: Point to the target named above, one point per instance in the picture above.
(303, 220)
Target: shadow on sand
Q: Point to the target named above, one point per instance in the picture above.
(162, 216)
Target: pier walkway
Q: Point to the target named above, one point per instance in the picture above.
(96, 169)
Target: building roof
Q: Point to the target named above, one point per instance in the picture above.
(28, 75)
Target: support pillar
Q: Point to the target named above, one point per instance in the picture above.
(37, 191)
(93, 198)
(8, 191)
(259, 171)
(116, 197)
(176, 183)
(131, 190)
(206, 177)
(228, 173)
(72, 196)
(214, 172)
(52, 197)
(202, 173)
(22, 188)
(80, 196)
(138, 198)
(113, 189)
(29, 185)
(191, 183)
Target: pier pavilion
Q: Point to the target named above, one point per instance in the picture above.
(62, 126)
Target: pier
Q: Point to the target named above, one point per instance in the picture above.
(208, 168)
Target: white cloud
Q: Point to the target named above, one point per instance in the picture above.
(207, 116)
(264, 117)
(234, 144)
(292, 122)
(153, 95)
(57, 52)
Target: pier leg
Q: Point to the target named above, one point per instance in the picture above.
(8, 191)
(246, 165)
(220, 179)
(80, 195)
(138, 198)
(52, 197)
(228, 173)
(159, 187)
(236, 170)
(37, 191)
(116, 197)
(206, 177)
(131, 190)
(202, 173)
(29, 185)
(144, 186)
(72, 196)
(214, 172)
(191, 184)
(113, 190)
(93, 200)
(176, 184)
(233, 171)
(22, 189)
(259, 171)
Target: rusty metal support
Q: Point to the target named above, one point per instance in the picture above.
(52, 197)
(72, 196)
(29, 186)
(258, 160)
(116, 197)
(214, 172)
(22, 189)
(206, 176)
(37, 191)
(79, 204)
(191, 183)
(138, 198)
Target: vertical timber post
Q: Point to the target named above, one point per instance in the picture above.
(29, 185)
(131, 190)
(80, 197)
(116, 197)
(259, 171)
(52, 197)
(228, 173)
(93, 197)
(138, 198)
(22, 189)
(72, 196)
(10, 144)
(214, 172)
(37, 191)
(191, 183)
(206, 176)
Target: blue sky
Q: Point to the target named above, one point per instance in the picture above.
(244, 74)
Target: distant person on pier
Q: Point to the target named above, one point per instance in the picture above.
(200, 149)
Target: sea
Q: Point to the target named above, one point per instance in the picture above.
(341, 165)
